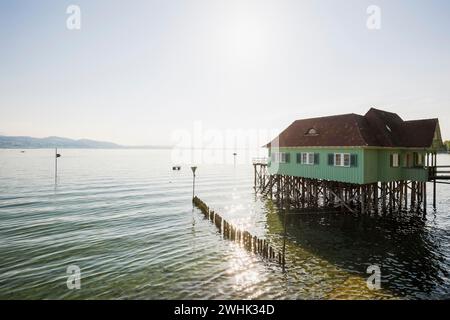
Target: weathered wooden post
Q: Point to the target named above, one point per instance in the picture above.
(254, 167)
(284, 241)
(406, 195)
(193, 181)
(376, 197)
(434, 193)
(424, 199)
(433, 157)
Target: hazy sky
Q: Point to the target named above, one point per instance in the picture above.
(139, 70)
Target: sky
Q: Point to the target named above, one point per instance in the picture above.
(139, 72)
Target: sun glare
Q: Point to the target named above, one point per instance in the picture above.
(244, 37)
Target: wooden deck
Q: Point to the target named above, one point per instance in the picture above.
(439, 173)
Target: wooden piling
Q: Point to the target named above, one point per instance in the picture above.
(244, 238)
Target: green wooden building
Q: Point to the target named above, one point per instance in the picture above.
(379, 152)
(376, 147)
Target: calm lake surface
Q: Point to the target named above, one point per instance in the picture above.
(126, 219)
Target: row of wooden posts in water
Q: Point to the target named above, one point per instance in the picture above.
(246, 239)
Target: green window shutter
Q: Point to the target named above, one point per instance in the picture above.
(288, 157)
(316, 158)
(330, 159)
(354, 160)
(391, 160)
(299, 158)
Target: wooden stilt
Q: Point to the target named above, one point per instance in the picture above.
(301, 192)
(424, 199)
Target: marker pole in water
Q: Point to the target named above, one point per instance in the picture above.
(193, 182)
(284, 239)
(234, 155)
(57, 155)
(56, 164)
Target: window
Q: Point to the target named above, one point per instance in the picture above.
(304, 158)
(419, 159)
(395, 160)
(342, 159)
(337, 159)
(311, 132)
(308, 158)
(280, 157)
(346, 159)
(407, 160)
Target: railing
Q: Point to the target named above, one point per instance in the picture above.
(439, 173)
(416, 173)
(260, 160)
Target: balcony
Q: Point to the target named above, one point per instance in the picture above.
(416, 174)
(260, 161)
(439, 173)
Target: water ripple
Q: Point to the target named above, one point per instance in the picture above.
(127, 221)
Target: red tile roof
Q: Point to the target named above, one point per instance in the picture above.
(375, 128)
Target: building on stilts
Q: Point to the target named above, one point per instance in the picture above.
(360, 164)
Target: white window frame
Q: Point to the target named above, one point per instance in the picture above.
(304, 158)
(279, 157)
(276, 157)
(395, 160)
(307, 158)
(342, 160)
(273, 157)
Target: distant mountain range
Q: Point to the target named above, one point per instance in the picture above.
(22, 142)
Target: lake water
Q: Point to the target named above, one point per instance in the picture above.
(126, 220)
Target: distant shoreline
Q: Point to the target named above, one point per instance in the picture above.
(86, 148)
(26, 142)
(129, 148)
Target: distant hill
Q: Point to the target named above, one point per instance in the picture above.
(11, 142)
(53, 142)
(23, 142)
